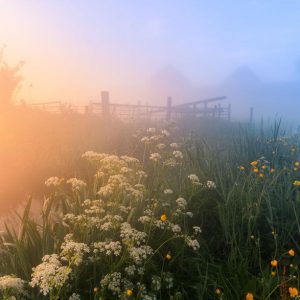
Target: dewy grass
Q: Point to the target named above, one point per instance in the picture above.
(207, 215)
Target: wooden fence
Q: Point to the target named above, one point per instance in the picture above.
(202, 108)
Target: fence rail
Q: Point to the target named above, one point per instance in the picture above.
(199, 108)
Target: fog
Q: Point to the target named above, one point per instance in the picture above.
(146, 51)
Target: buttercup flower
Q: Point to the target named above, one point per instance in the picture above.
(293, 292)
(163, 217)
(296, 183)
(291, 252)
(274, 263)
(249, 296)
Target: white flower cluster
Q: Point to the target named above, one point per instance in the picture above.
(53, 181)
(155, 157)
(108, 248)
(194, 179)
(192, 243)
(178, 154)
(12, 285)
(73, 252)
(74, 296)
(93, 156)
(112, 282)
(168, 191)
(181, 202)
(140, 254)
(131, 235)
(210, 184)
(76, 184)
(50, 274)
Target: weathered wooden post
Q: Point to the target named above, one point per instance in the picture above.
(219, 111)
(105, 103)
(169, 109)
(251, 115)
(229, 112)
(205, 109)
(214, 111)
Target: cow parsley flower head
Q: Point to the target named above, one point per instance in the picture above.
(12, 286)
(76, 184)
(50, 274)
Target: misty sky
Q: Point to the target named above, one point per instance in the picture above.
(74, 49)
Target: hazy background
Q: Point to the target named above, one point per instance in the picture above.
(142, 50)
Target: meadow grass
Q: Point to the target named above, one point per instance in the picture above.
(198, 210)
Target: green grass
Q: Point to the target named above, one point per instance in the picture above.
(249, 219)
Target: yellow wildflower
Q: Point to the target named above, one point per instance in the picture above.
(264, 167)
(249, 296)
(255, 170)
(129, 292)
(273, 273)
(168, 256)
(254, 163)
(297, 164)
(272, 170)
(95, 290)
(163, 217)
(242, 168)
(261, 175)
(218, 291)
(296, 183)
(274, 263)
(295, 169)
(291, 252)
(293, 292)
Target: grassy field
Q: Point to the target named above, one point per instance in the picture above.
(192, 210)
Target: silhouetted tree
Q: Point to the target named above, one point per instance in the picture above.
(9, 81)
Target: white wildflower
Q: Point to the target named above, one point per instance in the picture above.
(210, 184)
(161, 146)
(50, 274)
(12, 285)
(112, 282)
(53, 181)
(129, 234)
(168, 191)
(171, 162)
(193, 243)
(145, 219)
(108, 248)
(130, 270)
(197, 229)
(181, 202)
(140, 254)
(93, 156)
(175, 228)
(174, 145)
(73, 252)
(178, 154)
(189, 214)
(194, 179)
(77, 184)
(155, 157)
(74, 296)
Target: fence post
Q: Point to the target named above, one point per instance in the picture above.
(229, 112)
(251, 115)
(169, 109)
(105, 103)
